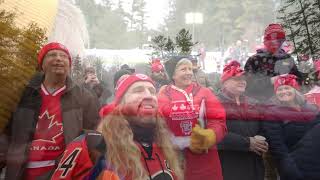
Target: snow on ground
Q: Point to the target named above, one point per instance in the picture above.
(213, 60)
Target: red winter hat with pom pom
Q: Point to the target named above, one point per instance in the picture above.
(232, 69)
(286, 79)
(274, 32)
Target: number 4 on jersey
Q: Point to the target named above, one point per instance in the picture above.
(68, 164)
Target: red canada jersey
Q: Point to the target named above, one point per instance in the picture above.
(78, 163)
(75, 163)
(48, 140)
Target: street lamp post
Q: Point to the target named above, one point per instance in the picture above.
(193, 18)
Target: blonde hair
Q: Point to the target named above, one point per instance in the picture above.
(123, 153)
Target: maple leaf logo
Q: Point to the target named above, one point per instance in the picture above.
(182, 107)
(175, 108)
(47, 128)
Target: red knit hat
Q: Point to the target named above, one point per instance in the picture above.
(52, 46)
(286, 79)
(125, 82)
(156, 67)
(232, 69)
(274, 32)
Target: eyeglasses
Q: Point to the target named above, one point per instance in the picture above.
(56, 54)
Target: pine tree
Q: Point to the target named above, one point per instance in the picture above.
(301, 19)
(138, 20)
(170, 46)
(165, 47)
(159, 43)
(184, 42)
(284, 18)
(107, 27)
(314, 26)
(223, 22)
(18, 61)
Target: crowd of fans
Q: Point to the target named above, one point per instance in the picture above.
(170, 125)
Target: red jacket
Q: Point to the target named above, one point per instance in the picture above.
(181, 116)
(313, 96)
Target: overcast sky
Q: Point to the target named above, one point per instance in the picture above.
(156, 11)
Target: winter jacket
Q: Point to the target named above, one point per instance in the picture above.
(243, 121)
(79, 111)
(313, 96)
(181, 118)
(291, 137)
(261, 67)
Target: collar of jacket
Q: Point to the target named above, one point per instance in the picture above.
(230, 96)
(307, 113)
(38, 78)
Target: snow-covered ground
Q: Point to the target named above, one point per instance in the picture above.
(110, 57)
(134, 56)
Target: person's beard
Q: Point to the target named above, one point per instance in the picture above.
(137, 116)
(143, 132)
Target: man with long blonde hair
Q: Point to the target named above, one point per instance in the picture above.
(137, 141)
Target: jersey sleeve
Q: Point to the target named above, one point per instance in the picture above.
(164, 102)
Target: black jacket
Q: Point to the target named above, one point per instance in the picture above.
(243, 121)
(292, 143)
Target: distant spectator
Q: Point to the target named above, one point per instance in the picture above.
(128, 68)
(92, 83)
(118, 75)
(268, 63)
(292, 130)
(158, 74)
(313, 96)
(241, 149)
(199, 76)
(184, 104)
(132, 141)
(202, 55)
